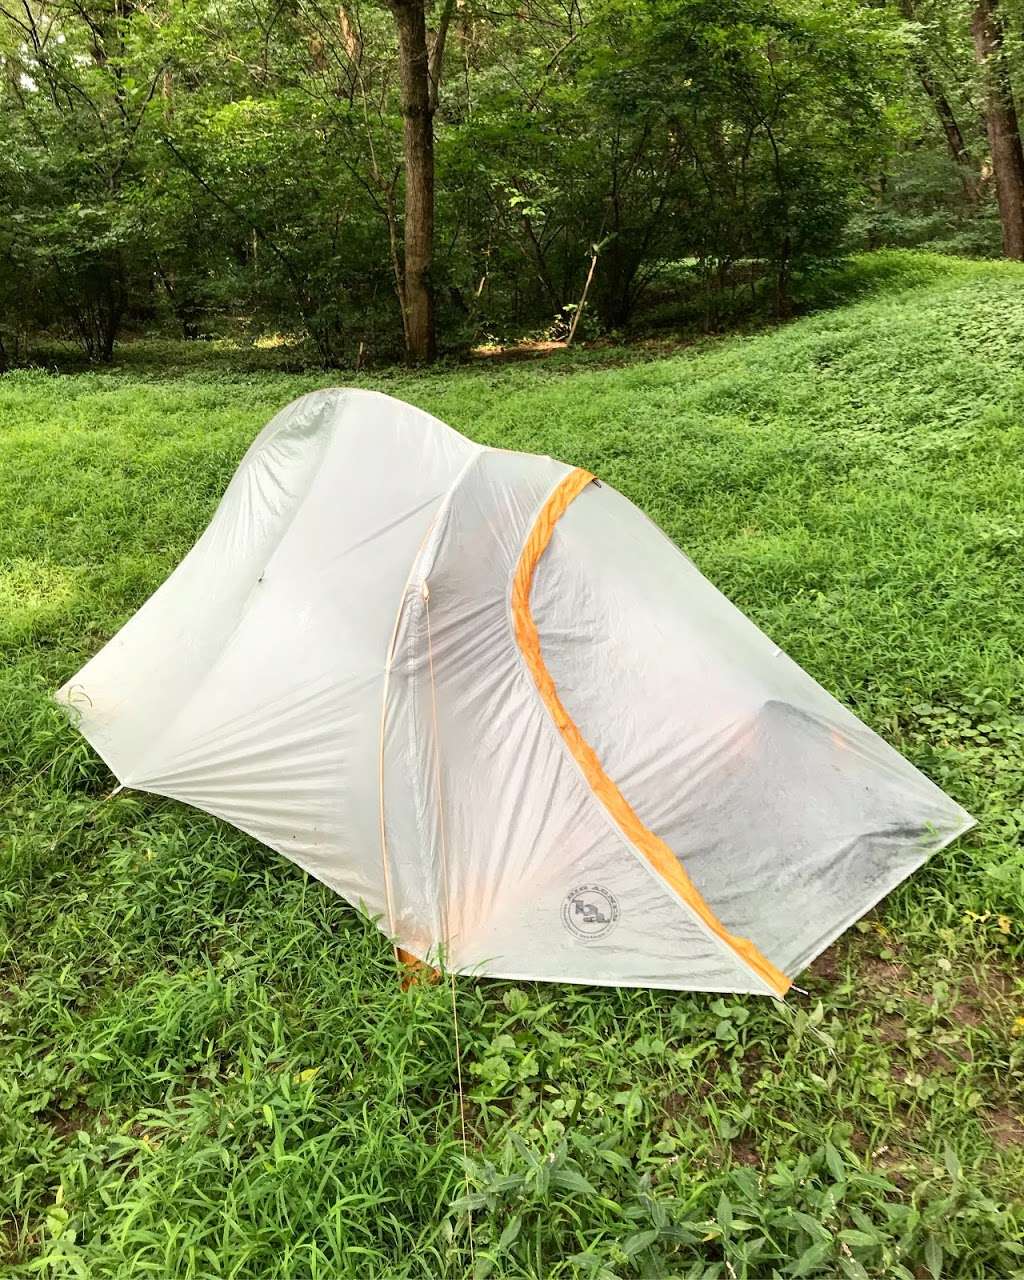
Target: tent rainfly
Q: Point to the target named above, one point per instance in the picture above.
(481, 695)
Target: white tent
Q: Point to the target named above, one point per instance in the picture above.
(481, 695)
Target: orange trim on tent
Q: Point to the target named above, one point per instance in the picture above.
(653, 848)
(414, 969)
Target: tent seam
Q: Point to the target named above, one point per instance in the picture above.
(527, 637)
(606, 816)
(444, 506)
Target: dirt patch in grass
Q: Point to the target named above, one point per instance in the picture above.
(891, 1029)
(895, 1164)
(828, 968)
(947, 1057)
(986, 999)
(966, 1015)
(745, 1153)
(992, 988)
(520, 351)
(65, 1124)
(884, 973)
(1006, 1127)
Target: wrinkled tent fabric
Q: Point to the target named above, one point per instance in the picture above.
(484, 698)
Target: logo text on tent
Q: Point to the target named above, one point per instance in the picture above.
(589, 912)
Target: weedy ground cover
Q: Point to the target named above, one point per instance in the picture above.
(207, 1065)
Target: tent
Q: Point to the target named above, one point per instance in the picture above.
(479, 694)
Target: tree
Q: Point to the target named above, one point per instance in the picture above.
(1001, 124)
(944, 110)
(418, 72)
(714, 144)
(258, 167)
(81, 81)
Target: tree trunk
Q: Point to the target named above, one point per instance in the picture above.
(417, 108)
(1001, 122)
(951, 130)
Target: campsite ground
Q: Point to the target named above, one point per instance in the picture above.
(207, 1066)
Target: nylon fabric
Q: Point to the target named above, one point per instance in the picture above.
(250, 684)
(524, 828)
(791, 817)
(655, 850)
(488, 702)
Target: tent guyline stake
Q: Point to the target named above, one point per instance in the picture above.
(425, 592)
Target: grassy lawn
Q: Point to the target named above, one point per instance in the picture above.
(207, 1065)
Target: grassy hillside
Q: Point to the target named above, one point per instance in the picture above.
(207, 1066)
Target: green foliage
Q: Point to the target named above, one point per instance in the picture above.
(727, 134)
(238, 170)
(77, 88)
(208, 1065)
(923, 207)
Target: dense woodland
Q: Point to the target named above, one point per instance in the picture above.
(375, 179)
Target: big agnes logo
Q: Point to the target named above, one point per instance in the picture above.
(590, 912)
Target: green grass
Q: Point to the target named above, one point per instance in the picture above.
(207, 1065)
